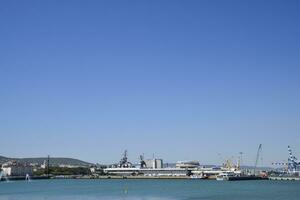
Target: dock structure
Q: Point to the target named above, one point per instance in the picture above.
(284, 178)
(145, 177)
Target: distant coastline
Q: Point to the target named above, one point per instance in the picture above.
(55, 161)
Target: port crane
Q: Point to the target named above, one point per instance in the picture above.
(291, 165)
(293, 162)
(257, 157)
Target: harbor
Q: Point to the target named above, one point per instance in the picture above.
(150, 100)
(153, 168)
(148, 189)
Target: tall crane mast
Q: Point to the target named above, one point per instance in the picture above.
(257, 157)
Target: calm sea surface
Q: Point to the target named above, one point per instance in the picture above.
(149, 190)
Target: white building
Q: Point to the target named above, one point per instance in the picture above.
(13, 168)
(187, 164)
(175, 172)
(154, 163)
(44, 165)
(147, 172)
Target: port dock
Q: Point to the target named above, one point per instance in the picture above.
(284, 178)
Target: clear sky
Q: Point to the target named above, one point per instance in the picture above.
(184, 80)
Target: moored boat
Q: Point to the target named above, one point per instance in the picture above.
(225, 176)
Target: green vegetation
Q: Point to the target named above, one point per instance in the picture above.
(53, 161)
(56, 171)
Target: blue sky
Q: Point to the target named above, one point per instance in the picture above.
(181, 79)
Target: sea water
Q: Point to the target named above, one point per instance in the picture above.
(149, 190)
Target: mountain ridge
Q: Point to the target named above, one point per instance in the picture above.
(54, 161)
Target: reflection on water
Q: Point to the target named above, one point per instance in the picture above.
(81, 198)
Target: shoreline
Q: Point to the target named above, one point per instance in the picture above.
(107, 177)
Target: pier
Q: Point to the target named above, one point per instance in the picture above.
(286, 178)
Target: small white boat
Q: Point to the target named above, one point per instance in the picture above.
(225, 176)
(200, 176)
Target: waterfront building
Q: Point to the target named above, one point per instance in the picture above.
(146, 172)
(214, 171)
(175, 172)
(154, 163)
(187, 164)
(96, 169)
(44, 165)
(149, 167)
(68, 166)
(13, 168)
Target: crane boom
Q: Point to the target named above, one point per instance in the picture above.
(257, 157)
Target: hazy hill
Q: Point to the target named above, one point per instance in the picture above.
(3, 159)
(53, 161)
